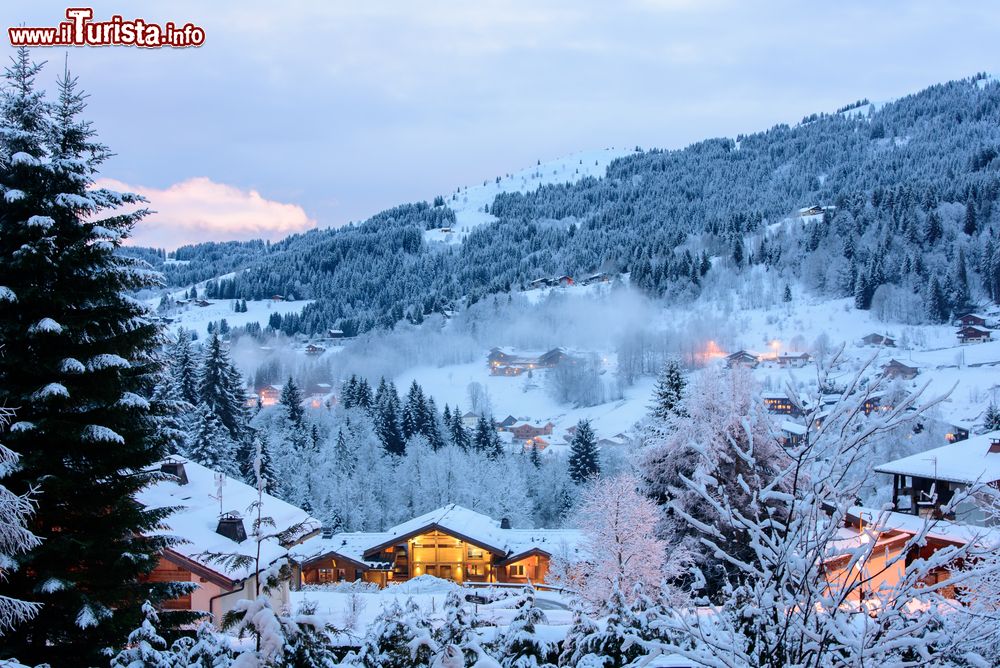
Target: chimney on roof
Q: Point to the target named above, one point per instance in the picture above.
(328, 532)
(231, 526)
(994, 445)
(504, 523)
(176, 469)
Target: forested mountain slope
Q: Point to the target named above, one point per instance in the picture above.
(914, 183)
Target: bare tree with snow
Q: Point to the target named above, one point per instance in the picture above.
(618, 523)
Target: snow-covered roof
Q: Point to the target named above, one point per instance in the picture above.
(939, 529)
(351, 545)
(793, 428)
(452, 519)
(967, 462)
(197, 517)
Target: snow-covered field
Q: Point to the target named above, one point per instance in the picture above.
(355, 611)
(468, 202)
(196, 318)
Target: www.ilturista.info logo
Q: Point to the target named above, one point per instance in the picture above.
(80, 30)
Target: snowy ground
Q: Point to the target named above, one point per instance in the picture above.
(468, 202)
(335, 604)
(196, 318)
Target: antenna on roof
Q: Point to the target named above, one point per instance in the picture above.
(220, 482)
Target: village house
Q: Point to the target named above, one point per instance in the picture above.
(312, 349)
(452, 542)
(879, 340)
(596, 278)
(926, 481)
(526, 430)
(897, 369)
(974, 335)
(970, 320)
(208, 520)
(506, 362)
(813, 210)
(792, 433)
(779, 403)
(269, 394)
(320, 395)
(796, 360)
(958, 431)
(470, 420)
(742, 359)
(506, 423)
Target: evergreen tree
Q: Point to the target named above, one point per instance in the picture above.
(521, 646)
(208, 650)
(184, 368)
(221, 389)
(935, 305)
(583, 453)
(991, 421)
(787, 296)
(969, 226)
(668, 394)
(935, 229)
(581, 627)
(211, 446)
(960, 289)
(387, 643)
(459, 434)
(79, 354)
(486, 440)
(386, 418)
(618, 643)
(145, 646)
(414, 419)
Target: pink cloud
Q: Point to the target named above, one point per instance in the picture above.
(200, 209)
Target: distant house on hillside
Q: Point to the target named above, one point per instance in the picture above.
(778, 403)
(974, 335)
(505, 362)
(314, 350)
(507, 423)
(797, 360)
(813, 210)
(194, 493)
(539, 283)
(879, 340)
(596, 278)
(335, 333)
(564, 280)
(269, 394)
(742, 359)
(792, 433)
(970, 320)
(526, 430)
(203, 303)
(896, 369)
(958, 431)
(470, 420)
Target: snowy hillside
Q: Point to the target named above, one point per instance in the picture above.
(469, 201)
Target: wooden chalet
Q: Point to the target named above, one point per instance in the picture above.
(507, 423)
(926, 481)
(314, 350)
(897, 369)
(972, 334)
(743, 359)
(198, 494)
(970, 320)
(874, 339)
(526, 430)
(958, 431)
(506, 362)
(452, 542)
(792, 433)
(779, 403)
(269, 394)
(813, 210)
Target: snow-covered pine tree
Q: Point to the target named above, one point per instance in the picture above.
(458, 628)
(668, 394)
(15, 538)
(991, 421)
(79, 355)
(210, 444)
(184, 367)
(221, 389)
(520, 645)
(208, 651)
(581, 627)
(584, 462)
(459, 434)
(145, 646)
(387, 643)
(386, 415)
(414, 418)
(178, 423)
(618, 642)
